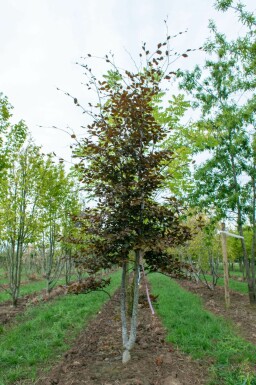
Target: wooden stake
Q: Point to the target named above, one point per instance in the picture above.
(225, 264)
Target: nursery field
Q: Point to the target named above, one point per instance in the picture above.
(40, 333)
(72, 339)
(119, 233)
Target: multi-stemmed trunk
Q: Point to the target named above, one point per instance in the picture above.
(15, 267)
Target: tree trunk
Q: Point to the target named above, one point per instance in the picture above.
(225, 265)
(123, 303)
(249, 269)
(250, 273)
(252, 291)
(129, 341)
(68, 265)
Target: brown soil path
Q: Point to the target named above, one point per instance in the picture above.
(95, 358)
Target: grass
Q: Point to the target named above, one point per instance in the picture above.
(235, 273)
(241, 287)
(4, 279)
(44, 332)
(202, 335)
(235, 285)
(35, 286)
(30, 287)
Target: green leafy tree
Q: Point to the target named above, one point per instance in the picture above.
(57, 202)
(37, 200)
(177, 172)
(203, 250)
(19, 208)
(224, 93)
(12, 136)
(235, 250)
(72, 206)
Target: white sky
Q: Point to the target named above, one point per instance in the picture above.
(41, 40)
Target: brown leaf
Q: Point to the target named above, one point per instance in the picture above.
(159, 360)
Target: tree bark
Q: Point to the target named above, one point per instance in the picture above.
(124, 304)
(250, 271)
(252, 292)
(128, 342)
(225, 266)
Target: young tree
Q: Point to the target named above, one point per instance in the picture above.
(203, 250)
(224, 92)
(122, 164)
(12, 136)
(19, 205)
(177, 173)
(71, 206)
(57, 202)
(35, 198)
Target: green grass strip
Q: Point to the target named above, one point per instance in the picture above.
(28, 288)
(31, 287)
(237, 272)
(4, 278)
(241, 287)
(44, 332)
(202, 335)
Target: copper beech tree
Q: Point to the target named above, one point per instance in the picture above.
(121, 166)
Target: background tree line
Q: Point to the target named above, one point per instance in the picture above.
(38, 198)
(222, 92)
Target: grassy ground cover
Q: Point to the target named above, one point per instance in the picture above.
(4, 279)
(241, 287)
(30, 287)
(203, 335)
(44, 332)
(236, 273)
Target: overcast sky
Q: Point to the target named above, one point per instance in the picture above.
(41, 40)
